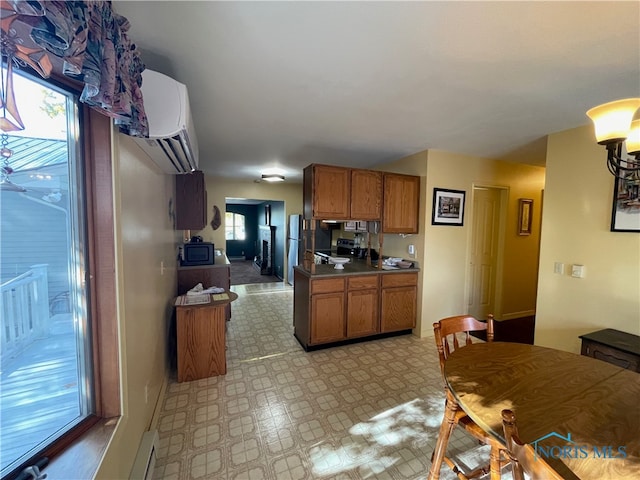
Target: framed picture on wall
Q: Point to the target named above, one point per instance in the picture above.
(625, 216)
(448, 207)
(525, 214)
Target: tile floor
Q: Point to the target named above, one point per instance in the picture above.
(364, 411)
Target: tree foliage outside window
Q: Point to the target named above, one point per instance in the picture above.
(234, 226)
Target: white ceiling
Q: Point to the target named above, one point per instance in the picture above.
(286, 84)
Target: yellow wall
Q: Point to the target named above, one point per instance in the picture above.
(144, 238)
(576, 229)
(443, 250)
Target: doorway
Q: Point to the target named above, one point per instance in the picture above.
(487, 238)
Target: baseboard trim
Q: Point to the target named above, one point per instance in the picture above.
(158, 407)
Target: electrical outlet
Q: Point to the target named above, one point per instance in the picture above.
(146, 393)
(558, 268)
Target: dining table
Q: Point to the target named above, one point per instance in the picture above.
(578, 414)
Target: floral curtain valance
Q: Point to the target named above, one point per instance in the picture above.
(83, 40)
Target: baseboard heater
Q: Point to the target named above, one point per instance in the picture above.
(145, 461)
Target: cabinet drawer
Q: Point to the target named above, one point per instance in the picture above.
(399, 279)
(611, 355)
(327, 285)
(363, 282)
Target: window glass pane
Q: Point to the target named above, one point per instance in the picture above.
(45, 368)
(239, 226)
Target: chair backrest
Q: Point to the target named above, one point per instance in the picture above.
(522, 456)
(446, 329)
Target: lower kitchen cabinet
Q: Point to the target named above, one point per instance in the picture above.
(327, 318)
(398, 306)
(327, 314)
(362, 306)
(335, 309)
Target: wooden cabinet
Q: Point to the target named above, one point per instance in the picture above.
(362, 306)
(401, 200)
(398, 305)
(338, 193)
(366, 195)
(191, 201)
(613, 346)
(327, 311)
(201, 343)
(326, 192)
(208, 276)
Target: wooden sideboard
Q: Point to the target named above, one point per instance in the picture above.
(201, 338)
(613, 346)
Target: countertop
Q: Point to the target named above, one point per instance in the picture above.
(354, 267)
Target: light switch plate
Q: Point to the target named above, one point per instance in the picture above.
(558, 268)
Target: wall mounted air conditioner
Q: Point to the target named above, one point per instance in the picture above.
(172, 142)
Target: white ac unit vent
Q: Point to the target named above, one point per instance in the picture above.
(172, 142)
(145, 461)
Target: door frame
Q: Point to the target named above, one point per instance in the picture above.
(504, 199)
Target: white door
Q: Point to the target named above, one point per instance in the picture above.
(484, 251)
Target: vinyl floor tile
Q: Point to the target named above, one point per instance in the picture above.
(369, 410)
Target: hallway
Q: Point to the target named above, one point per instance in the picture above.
(367, 410)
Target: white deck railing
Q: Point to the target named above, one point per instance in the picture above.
(24, 305)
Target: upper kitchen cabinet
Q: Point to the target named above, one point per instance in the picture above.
(366, 195)
(401, 203)
(327, 192)
(191, 201)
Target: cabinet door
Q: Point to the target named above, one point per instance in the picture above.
(327, 318)
(366, 195)
(401, 200)
(330, 194)
(191, 201)
(398, 308)
(362, 313)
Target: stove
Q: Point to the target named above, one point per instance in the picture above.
(345, 246)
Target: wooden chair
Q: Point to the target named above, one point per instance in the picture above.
(522, 456)
(446, 336)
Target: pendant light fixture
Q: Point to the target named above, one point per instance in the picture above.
(615, 127)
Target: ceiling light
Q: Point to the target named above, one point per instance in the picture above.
(613, 126)
(272, 177)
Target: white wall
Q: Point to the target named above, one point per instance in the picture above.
(576, 229)
(144, 238)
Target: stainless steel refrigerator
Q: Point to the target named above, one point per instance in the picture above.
(293, 244)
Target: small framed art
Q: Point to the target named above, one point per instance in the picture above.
(448, 207)
(525, 214)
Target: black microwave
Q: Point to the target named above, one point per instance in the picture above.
(197, 253)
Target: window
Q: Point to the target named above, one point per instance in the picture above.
(47, 372)
(234, 226)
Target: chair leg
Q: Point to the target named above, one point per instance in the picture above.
(448, 422)
(494, 462)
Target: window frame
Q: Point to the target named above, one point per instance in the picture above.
(233, 227)
(91, 434)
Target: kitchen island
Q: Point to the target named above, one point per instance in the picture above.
(333, 306)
